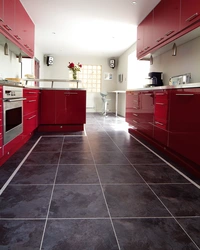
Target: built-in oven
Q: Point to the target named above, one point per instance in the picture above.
(12, 112)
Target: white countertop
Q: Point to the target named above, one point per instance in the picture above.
(181, 86)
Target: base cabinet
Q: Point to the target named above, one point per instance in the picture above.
(175, 122)
(62, 110)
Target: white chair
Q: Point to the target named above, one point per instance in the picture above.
(105, 103)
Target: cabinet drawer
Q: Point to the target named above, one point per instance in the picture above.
(161, 111)
(30, 105)
(161, 97)
(30, 123)
(30, 92)
(1, 132)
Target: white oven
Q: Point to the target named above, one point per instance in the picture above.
(12, 112)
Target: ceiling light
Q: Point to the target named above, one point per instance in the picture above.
(134, 2)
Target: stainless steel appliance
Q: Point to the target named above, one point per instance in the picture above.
(12, 112)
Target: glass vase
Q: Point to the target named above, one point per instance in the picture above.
(74, 75)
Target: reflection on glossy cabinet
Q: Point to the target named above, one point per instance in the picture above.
(190, 12)
(48, 107)
(1, 12)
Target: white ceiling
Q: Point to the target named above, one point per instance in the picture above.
(86, 27)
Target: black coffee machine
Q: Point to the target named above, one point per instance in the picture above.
(156, 78)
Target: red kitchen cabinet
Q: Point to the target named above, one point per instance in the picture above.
(30, 110)
(70, 107)
(146, 114)
(166, 20)
(129, 106)
(145, 35)
(48, 107)
(184, 123)
(190, 12)
(1, 12)
(24, 29)
(9, 16)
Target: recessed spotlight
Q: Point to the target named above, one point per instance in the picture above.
(134, 2)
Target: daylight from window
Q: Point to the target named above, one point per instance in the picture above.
(137, 72)
(90, 76)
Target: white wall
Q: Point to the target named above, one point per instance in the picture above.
(123, 69)
(59, 70)
(187, 60)
(9, 65)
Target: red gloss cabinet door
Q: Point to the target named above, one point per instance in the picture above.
(47, 107)
(1, 12)
(9, 16)
(148, 32)
(166, 20)
(190, 12)
(184, 123)
(129, 106)
(70, 107)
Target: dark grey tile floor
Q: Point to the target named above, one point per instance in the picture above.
(103, 191)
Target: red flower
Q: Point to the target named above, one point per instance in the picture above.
(71, 65)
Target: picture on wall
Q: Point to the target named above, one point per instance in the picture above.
(108, 76)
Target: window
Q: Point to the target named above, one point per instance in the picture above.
(137, 72)
(90, 76)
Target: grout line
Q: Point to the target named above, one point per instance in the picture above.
(152, 189)
(45, 225)
(19, 166)
(105, 200)
(169, 164)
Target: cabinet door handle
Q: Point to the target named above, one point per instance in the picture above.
(31, 92)
(135, 107)
(147, 94)
(159, 123)
(7, 27)
(32, 101)
(146, 48)
(1, 20)
(185, 94)
(17, 37)
(31, 117)
(160, 94)
(135, 121)
(69, 93)
(160, 103)
(192, 17)
(135, 114)
(169, 32)
(160, 39)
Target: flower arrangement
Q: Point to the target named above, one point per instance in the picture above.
(74, 68)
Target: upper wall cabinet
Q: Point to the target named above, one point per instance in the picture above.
(145, 35)
(171, 20)
(190, 12)
(1, 12)
(8, 16)
(17, 26)
(166, 20)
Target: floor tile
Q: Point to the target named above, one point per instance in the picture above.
(97, 146)
(25, 201)
(151, 234)
(45, 147)
(21, 234)
(79, 235)
(76, 146)
(43, 158)
(35, 174)
(75, 139)
(192, 227)
(110, 157)
(142, 158)
(72, 157)
(133, 201)
(77, 174)
(160, 174)
(180, 199)
(118, 174)
(78, 201)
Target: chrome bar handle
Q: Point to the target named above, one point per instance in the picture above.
(192, 17)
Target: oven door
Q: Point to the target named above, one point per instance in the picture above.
(12, 118)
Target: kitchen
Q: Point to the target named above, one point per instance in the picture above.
(125, 218)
